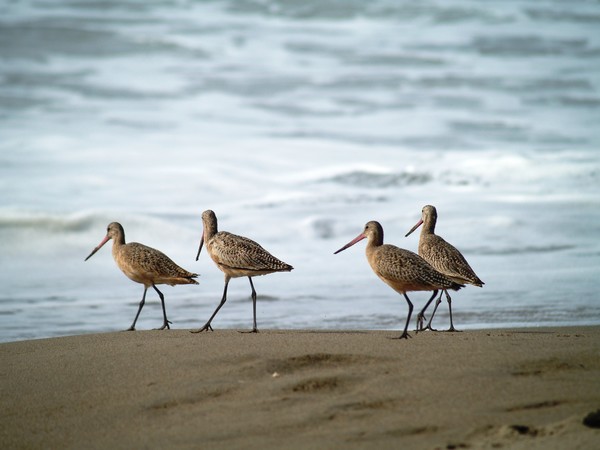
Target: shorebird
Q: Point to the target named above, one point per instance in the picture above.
(144, 265)
(445, 258)
(236, 256)
(402, 270)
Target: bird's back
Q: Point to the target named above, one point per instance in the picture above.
(406, 271)
(240, 256)
(447, 259)
(147, 265)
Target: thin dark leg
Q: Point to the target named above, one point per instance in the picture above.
(421, 315)
(162, 301)
(132, 327)
(450, 308)
(437, 303)
(223, 300)
(405, 334)
(254, 329)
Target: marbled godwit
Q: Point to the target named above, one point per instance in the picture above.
(402, 270)
(144, 265)
(445, 258)
(236, 256)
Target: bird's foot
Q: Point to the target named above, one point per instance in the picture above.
(253, 330)
(131, 328)
(453, 330)
(404, 335)
(430, 328)
(206, 327)
(165, 325)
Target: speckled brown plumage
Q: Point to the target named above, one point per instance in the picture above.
(444, 257)
(402, 270)
(236, 256)
(144, 265)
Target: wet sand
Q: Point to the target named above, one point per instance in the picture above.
(519, 388)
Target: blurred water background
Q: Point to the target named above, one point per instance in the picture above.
(297, 121)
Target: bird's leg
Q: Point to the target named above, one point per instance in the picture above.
(254, 329)
(132, 327)
(162, 301)
(450, 308)
(421, 315)
(405, 334)
(437, 303)
(223, 300)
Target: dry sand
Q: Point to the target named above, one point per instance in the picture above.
(521, 388)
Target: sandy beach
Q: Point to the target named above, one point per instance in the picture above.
(511, 388)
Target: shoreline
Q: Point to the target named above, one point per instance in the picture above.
(516, 387)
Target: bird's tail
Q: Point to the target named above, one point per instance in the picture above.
(190, 278)
(456, 286)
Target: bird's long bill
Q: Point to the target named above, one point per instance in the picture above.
(417, 225)
(104, 241)
(358, 238)
(200, 248)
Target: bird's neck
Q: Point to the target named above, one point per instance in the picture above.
(118, 242)
(373, 244)
(428, 227)
(209, 231)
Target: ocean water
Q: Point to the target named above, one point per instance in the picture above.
(297, 122)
